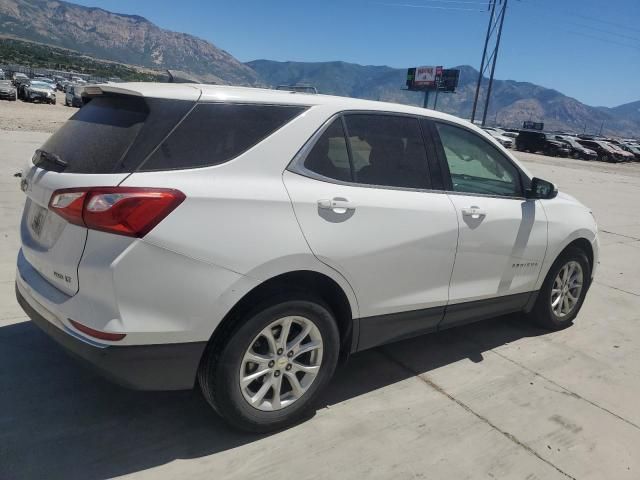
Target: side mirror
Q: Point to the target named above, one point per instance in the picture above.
(541, 189)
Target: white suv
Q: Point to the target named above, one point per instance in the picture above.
(250, 238)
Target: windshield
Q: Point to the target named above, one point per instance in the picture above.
(571, 141)
(40, 85)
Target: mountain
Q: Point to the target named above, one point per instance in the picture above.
(629, 111)
(134, 41)
(128, 39)
(511, 102)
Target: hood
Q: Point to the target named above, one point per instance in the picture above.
(41, 90)
(568, 198)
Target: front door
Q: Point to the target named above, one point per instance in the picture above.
(503, 236)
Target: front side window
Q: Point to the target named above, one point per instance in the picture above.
(475, 165)
(388, 150)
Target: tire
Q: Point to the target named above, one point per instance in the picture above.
(543, 312)
(224, 362)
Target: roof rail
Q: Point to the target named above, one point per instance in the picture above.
(298, 88)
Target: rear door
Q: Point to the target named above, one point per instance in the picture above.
(99, 146)
(503, 236)
(366, 208)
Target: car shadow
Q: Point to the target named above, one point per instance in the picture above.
(59, 420)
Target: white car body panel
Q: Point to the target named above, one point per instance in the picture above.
(499, 253)
(568, 220)
(395, 247)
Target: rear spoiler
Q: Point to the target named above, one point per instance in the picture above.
(156, 90)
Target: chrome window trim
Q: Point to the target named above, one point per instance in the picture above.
(297, 163)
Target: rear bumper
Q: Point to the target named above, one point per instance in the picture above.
(140, 367)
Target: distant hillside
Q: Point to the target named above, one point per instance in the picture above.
(512, 102)
(133, 40)
(123, 38)
(36, 55)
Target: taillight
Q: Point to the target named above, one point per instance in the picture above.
(131, 211)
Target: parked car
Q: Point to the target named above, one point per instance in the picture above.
(631, 148)
(73, 96)
(37, 91)
(575, 149)
(8, 91)
(604, 151)
(17, 76)
(512, 135)
(149, 254)
(535, 141)
(626, 156)
(499, 135)
(21, 84)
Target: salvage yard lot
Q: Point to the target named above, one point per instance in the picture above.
(497, 399)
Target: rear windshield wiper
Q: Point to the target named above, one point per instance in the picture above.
(49, 157)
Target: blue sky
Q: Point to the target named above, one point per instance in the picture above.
(587, 49)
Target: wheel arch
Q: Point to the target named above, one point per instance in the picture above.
(582, 244)
(577, 241)
(306, 281)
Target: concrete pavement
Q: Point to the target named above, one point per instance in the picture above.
(498, 399)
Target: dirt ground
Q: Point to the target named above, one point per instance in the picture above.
(34, 117)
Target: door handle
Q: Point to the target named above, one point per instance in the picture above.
(338, 205)
(474, 212)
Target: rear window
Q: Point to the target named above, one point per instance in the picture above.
(215, 133)
(111, 134)
(116, 133)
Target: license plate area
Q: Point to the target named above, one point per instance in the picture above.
(37, 220)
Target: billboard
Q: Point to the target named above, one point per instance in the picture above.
(449, 80)
(432, 78)
(426, 76)
(529, 125)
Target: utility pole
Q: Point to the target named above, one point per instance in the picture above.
(495, 58)
(426, 99)
(435, 101)
(496, 21)
(484, 56)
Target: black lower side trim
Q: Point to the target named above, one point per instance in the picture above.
(381, 329)
(468, 312)
(140, 367)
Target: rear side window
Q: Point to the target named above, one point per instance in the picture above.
(214, 133)
(388, 150)
(329, 156)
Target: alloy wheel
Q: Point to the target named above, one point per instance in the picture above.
(281, 363)
(566, 289)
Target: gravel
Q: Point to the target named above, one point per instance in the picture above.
(34, 117)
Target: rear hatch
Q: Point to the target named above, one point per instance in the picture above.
(99, 146)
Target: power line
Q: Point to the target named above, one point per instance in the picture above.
(472, 2)
(433, 7)
(594, 19)
(602, 30)
(605, 40)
